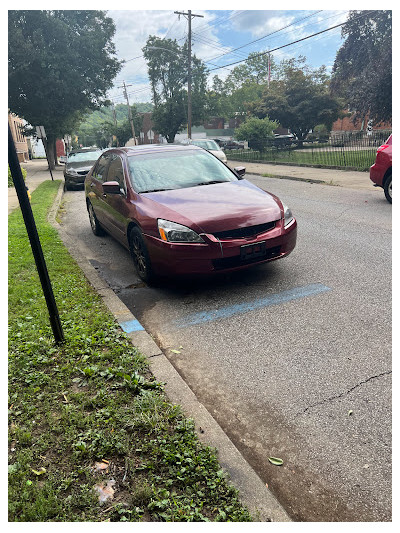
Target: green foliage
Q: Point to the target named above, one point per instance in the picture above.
(60, 64)
(299, 99)
(10, 180)
(362, 72)
(98, 126)
(256, 131)
(167, 69)
(243, 86)
(89, 399)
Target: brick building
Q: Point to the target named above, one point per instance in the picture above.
(347, 124)
(21, 145)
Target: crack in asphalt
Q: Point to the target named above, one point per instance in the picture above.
(346, 392)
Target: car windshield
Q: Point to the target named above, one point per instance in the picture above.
(207, 145)
(176, 170)
(80, 157)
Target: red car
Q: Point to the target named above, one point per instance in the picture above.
(381, 171)
(179, 210)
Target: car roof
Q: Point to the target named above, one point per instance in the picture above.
(83, 150)
(153, 148)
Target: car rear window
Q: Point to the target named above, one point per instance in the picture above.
(176, 170)
(207, 145)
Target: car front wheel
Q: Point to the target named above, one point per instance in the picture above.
(388, 189)
(94, 223)
(140, 255)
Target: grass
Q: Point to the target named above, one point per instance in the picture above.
(93, 399)
(356, 159)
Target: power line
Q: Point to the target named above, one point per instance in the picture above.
(289, 44)
(272, 33)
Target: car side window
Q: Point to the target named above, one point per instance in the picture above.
(116, 172)
(100, 170)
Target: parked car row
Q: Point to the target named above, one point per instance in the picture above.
(180, 210)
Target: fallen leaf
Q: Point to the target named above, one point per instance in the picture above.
(275, 461)
(39, 472)
(175, 351)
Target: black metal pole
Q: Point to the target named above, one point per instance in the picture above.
(33, 235)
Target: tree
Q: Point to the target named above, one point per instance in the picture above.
(256, 131)
(362, 72)
(60, 64)
(255, 70)
(299, 100)
(167, 69)
(101, 128)
(243, 86)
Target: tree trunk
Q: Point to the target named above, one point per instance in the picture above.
(50, 151)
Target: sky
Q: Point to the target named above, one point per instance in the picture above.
(218, 33)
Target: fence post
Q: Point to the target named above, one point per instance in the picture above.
(343, 146)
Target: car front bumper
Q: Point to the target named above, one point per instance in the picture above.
(74, 179)
(169, 259)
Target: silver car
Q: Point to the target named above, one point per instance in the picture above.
(78, 164)
(212, 147)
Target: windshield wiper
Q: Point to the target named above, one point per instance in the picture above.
(155, 190)
(210, 182)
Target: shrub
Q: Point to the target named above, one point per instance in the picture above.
(257, 131)
(10, 180)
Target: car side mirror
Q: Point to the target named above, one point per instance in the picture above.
(240, 171)
(111, 187)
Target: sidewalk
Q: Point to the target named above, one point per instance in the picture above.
(37, 172)
(350, 179)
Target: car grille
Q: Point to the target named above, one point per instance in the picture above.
(236, 261)
(241, 233)
(82, 172)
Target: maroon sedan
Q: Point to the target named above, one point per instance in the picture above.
(381, 171)
(179, 210)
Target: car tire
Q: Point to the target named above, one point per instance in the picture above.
(140, 255)
(67, 186)
(388, 188)
(94, 223)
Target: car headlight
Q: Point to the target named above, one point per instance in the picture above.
(72, 172)
(173, 232)
(288, 215)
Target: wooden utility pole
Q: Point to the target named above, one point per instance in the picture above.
(189, 16)
(130, 112)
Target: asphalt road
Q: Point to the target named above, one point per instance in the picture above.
(292, 358)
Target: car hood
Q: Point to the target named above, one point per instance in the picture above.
(218, 207)
(80, 166)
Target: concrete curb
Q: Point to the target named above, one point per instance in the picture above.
(253, 492)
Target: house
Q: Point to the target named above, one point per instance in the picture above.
(147, 135)
(17, 125)
(347, 124)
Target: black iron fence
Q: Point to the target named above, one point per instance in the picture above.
(352, 150)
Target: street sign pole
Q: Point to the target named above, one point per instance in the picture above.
(42, 135)
(37, 251)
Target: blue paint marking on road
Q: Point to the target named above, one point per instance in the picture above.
(273, 299)
(131, 325)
